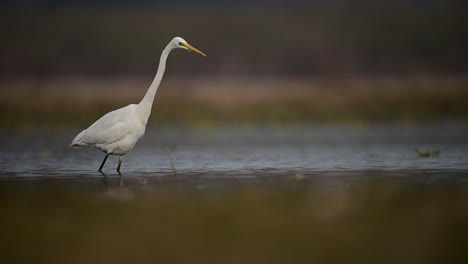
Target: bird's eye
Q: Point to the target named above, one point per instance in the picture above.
(180, 43)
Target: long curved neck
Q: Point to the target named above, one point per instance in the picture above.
(147, 102)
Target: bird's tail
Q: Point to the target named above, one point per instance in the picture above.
(77, 142)
(74, 145)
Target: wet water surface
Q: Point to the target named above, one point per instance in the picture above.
(254, 153)
(325, 194)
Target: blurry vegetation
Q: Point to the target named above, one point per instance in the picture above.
(357, 37)
(268, 63)
(427, 154)
(206, 104)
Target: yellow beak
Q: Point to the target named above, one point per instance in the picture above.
(192, 49)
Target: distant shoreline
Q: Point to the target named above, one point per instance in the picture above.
(77, 101)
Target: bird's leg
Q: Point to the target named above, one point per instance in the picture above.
(102, 164)
(120, 163)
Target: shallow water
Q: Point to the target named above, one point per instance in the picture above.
(250, 195)
(251, 154)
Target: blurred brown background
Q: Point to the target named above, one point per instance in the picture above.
(268, 61)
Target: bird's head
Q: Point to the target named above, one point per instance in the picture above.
(180, 43)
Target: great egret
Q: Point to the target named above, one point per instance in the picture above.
(117, 132)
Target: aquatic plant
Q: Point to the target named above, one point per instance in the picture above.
(427, 154)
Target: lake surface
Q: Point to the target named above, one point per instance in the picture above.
(240, 195)
(252, 154)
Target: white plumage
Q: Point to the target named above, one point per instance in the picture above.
(117, 132)
(114, 133)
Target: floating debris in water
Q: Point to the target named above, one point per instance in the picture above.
(427, 154)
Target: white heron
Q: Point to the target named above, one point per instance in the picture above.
(117, 132)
